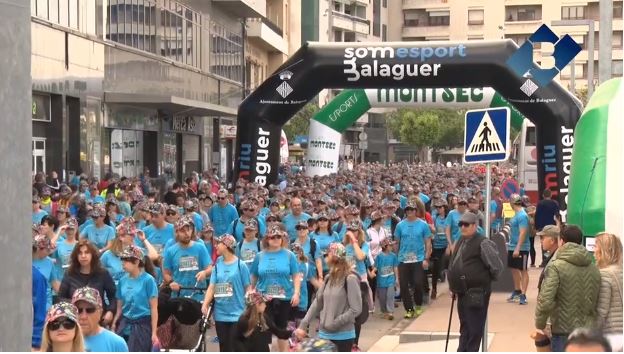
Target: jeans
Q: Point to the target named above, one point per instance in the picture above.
(558, 342)
(411, 276)
(386, 299)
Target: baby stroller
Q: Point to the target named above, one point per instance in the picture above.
(181, 324)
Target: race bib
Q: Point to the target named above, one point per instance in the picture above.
(410, 258)
(188, 264)
(223, 290)
(386, 271)
(65, 259)
(248, 255)
(275, 291)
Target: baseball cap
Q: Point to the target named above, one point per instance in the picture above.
(157, 208)
(469, 218)
(376, 215)
(337, 250)
(251, 224)
(185, 220)
(42, 242)
(354, 225)
(89, 295)
(549, 230)
(132, 252)
(516, 199)
(228, 240)
(60, 310)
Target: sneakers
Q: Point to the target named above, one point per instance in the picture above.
(389, 316)
(409, 314)
(515, 296)
(523, 299)
(419, 311)
(355, 348)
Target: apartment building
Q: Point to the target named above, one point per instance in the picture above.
(428, 20)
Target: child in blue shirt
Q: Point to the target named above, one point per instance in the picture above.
(387, 265)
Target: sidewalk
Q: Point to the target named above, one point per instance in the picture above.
(509, 325)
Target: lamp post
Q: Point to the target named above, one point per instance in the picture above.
(590, 52)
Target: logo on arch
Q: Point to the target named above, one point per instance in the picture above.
(521, 62)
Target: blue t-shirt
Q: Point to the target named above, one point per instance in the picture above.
(439, 240)
(39, 298)
(274, 271)
(518, 222)
(198, 221)
(158, 237)
(98, 236)
(307, 273)
(323, 240)
(185, 263)
(452, 221)
(105, 341)
(230, 282)
(360, 265)
(496, 222)
(290, 221)
(307, 249)
(247, 251)
(239, 233)
(411, 236)
(113, 265)
(340, 228)
(366, 223)
(36, 217)
(385, 263)
(62, 257)
(45, 266)
(135, 295)
(222, 217)
(424, 198)
(85, 224)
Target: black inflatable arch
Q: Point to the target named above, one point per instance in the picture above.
(316, 66)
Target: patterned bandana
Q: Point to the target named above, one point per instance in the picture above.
(354, 225)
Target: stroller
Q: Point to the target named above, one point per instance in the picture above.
(181, 324)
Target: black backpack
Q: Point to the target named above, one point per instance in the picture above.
(240, 245)
(363, 316)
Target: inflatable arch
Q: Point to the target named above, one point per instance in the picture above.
(328, 124)
(317, 66)
(596, 187)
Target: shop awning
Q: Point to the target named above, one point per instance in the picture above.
(174, 105)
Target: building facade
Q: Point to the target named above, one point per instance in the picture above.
(123, 85)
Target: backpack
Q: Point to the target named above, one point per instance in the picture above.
(240, 244)
(236, 224)
(363, 316)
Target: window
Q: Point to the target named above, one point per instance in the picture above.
(616, 40)
(60, 12)
(41, 107)
(475, 17)
(385, 4)
(376, 18)
(527, 15)
(617, 10)
(384, 33)
(439, 20)
(572, 12)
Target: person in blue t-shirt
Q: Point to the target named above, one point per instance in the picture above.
(45, 265)
(296, 214)
(37, 212)
(159, 232)
(39, 300)
(229, 282)
(351, 213)
(190, 208)
(274, 274)
(305, 272)
(99, 234)
(387, 265)
(61, 332)
(453, 232)
(440, 244)
(237, 226)
(97, 339)
(249, 246)
(323, 237)
(222, 214)
(64, 247)
(137, 302)
(186, 263)
(518, 251)
(414, 238)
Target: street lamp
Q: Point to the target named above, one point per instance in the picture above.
(590, 53)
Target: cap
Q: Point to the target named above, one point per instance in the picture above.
(172, 209)
(386, 242)
(251, 224)
(188, 205)
(549, 230)
(274, 230)
(127, 226)
(337, 250)
(273, 217)
(72, 223)
(222, 192)
(376, 215)
(253, 298)
(60, 310)
(157, 208)
(46, 191)
(322, 215)
(354, 225)
(439, 203)
(132, 252)
(228, 240)
(185, 220)
(411, 205)
(469, 218)
(301, 223)
(516, 199)
(87, 294)
(62, 209)
(296, 247)
(42, 242)
(353, 210)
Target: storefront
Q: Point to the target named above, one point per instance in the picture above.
(182, 146)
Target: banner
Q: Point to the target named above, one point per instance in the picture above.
(323, 150)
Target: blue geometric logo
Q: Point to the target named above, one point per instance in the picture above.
(521, 62)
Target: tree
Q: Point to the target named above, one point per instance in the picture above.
(448, 125)
(299, 124)
(582, 95)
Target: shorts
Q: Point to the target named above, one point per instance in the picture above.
(520, 263)
(280, 311)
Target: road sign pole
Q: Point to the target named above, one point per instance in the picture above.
(488, 198)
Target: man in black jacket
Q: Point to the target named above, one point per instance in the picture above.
(474, 263)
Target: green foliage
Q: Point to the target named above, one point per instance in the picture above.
(299, 124)
(582, 95)
(436, 128)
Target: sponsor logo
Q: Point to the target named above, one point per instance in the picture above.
(284, 89)
(356, 71)
(447, 95)
(551, 173)
(343, 108)
(521, 62)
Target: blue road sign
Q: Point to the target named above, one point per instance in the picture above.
(486, 137)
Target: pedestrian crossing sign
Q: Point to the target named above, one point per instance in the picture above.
(486, 137)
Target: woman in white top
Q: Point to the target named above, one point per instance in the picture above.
(375, 234)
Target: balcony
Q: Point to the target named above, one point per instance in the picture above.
(350, 23)
(266, 35)
(424, 4)
(426, 31)
(243, 8)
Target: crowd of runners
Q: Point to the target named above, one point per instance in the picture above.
(119, 266)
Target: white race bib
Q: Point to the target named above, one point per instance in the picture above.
(223, 290)
(188, 264)
(386, 271)
(276, 291)
(410, 258)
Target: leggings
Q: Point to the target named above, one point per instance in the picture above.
(372, 283)
(344, 345)
(411, 276)
(225, 333)
(532, 250)
(437, 258)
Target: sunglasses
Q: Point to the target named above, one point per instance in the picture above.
(171, 213)
(271, 220)
(464, 224)
(273, 237)
(320, 220)
(89, 310)
(222, 198)
(66, 324)
(299, 228)
(249, 209)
